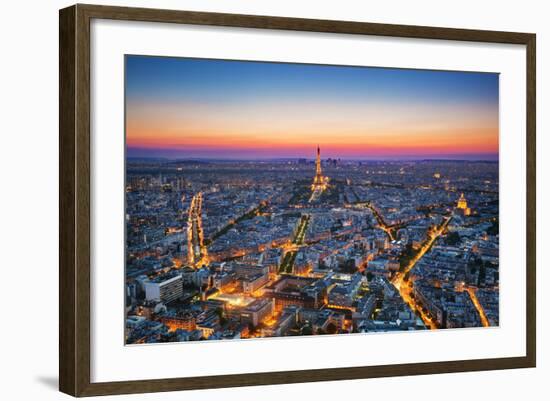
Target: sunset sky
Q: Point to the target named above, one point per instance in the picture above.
(198, 108)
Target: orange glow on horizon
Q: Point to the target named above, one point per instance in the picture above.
(291, 129)
(461, 142)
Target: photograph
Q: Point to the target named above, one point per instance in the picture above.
(265, 200)
(274, 199)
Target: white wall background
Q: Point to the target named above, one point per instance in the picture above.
(29, 185)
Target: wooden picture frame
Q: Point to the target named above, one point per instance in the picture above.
(74, 199)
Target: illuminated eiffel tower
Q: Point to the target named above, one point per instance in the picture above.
(319, 181)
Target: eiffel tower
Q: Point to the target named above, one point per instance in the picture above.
(319, 181)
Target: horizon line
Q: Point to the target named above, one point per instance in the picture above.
(167, 158)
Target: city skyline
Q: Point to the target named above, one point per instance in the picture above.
(181, 108)
(232, 250)
(278, 200)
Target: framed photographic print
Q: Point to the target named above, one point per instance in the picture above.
(250, 200)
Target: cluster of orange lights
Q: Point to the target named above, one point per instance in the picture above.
(195, 234)
(402, 285)
(198, 257)
(477, 305)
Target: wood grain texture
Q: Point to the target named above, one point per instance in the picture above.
(67, 265)
(74, 198)
(531, 229)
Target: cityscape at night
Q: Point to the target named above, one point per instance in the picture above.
(275, 199)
